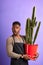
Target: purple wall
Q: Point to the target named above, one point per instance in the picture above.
(20, 10)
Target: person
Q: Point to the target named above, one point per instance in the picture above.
(15, 48)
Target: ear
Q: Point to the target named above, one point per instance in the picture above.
(20, 28)
(12, 28)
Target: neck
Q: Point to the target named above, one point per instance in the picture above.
(17, 35)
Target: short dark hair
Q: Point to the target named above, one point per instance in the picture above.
(16, 22)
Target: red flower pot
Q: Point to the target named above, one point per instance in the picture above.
(30, 50)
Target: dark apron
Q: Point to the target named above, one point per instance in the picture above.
(19, 49)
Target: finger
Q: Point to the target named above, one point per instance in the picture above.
(29, 55)
(21, 56)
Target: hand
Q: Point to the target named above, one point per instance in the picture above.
(35, 56)
(26, 57)
(19, 56)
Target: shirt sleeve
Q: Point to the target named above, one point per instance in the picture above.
(9, 47)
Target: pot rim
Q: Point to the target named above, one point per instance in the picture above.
(31, 44)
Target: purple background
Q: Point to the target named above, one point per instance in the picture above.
(11, 10)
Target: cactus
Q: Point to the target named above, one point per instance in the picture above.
(30, 24)
(36, 32)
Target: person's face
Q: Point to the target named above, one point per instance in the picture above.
(16, 29)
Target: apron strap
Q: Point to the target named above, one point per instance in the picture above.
(23, 38)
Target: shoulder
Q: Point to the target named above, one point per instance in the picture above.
(9, 39)
(23, 36)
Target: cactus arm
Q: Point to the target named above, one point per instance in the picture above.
(37, 30)
(31, 35)
(33, 13)
(33, 22)
(27, 30)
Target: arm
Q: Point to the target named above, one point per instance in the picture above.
(9, 47)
